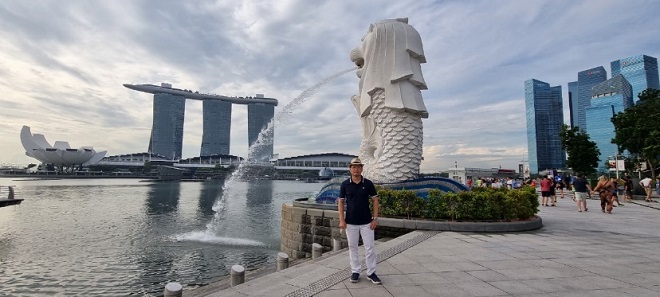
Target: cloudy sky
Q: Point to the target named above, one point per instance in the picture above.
(63, 63)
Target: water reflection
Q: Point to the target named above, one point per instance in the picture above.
(156, 268)
(163, 197)
(122, 237)
(210, 192)
(250, 258)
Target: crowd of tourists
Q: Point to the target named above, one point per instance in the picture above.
(607, 189)
(577, 188)
(495, 183)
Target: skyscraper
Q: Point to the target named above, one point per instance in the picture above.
(216, 127)
(587, 79)
(545, 116)
(169, 107)
(259, 116)
(167, 129)
(572, 101)
(640, 71)
(607, 99)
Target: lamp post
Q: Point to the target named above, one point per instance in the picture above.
(616, 164)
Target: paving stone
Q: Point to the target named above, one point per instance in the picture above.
(372, 291)
(446, 290)
(574, 254)
(489, 275)
(334, 293)
(408, 291)
(480, 288)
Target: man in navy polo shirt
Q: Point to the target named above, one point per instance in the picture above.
(354, 194)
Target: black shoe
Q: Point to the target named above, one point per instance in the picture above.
(355, 277)
(374, 278)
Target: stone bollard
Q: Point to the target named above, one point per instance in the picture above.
(336, 245)
(237, 275)
(173, 290)
(282, 261)
(317, 250)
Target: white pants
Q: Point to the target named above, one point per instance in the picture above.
(353, 233)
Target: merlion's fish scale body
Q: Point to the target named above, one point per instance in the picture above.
(395, 143)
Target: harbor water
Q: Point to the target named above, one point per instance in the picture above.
(126, 237)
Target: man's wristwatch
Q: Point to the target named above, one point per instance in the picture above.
(374, 218)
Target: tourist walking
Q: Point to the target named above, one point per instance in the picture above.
(553, 194)
(615, 194)
(580, 187)
(604, 189)
(354, 194)
(546, 184)
(560, 186)
(627, 188)
(646, 184)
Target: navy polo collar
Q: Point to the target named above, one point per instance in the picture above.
(350, 180)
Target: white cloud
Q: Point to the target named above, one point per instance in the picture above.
(62, 66)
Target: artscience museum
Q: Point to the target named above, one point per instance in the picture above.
(58, 154)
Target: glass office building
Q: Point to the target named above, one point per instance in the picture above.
(640, 71)
(259, 116)
(607, 99)
(545, 117)
(167, 129)
(587, 79)
(572, 98)
(216, 127)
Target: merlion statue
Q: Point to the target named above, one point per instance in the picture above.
(390, 102)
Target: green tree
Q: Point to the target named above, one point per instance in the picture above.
(637, 129)
(582, 152)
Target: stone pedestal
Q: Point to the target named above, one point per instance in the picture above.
(304, 226)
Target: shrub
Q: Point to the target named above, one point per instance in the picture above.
(437, 205)
(465, 208)
(518, 205)
(401, 203)
(386, 198)
(480, 204)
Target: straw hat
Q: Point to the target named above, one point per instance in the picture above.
(356, 162)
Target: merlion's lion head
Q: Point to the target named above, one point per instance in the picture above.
(390, 58)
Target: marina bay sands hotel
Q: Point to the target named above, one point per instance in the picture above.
(168, 115)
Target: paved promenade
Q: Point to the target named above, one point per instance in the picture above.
(574, 254)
